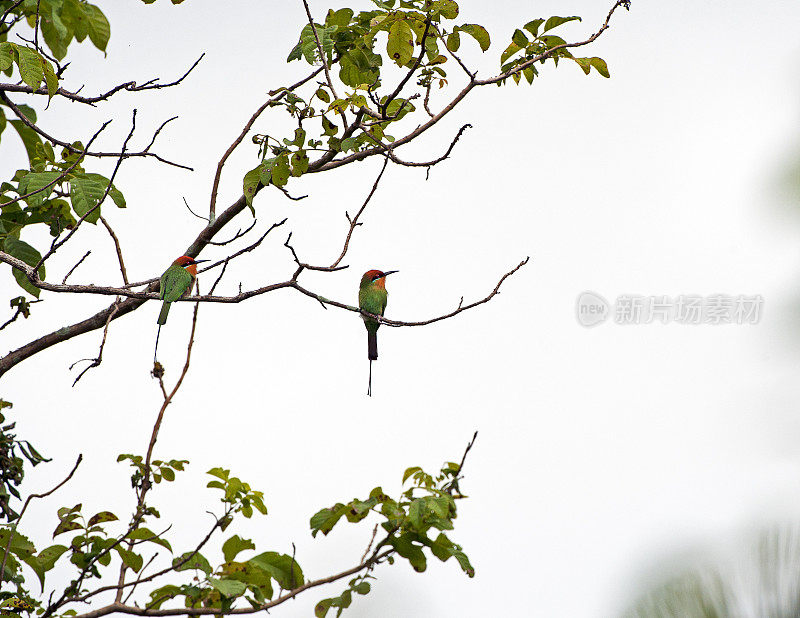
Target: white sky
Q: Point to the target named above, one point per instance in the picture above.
(601, 452)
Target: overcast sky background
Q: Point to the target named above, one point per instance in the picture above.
(603, 453)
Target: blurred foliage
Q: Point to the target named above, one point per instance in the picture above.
(759, 578)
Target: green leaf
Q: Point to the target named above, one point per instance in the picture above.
(98, 27)
(453, 41)
(6, 55)
(409, 472)
(85, 193)
(512, 49)
(103, 516)
(30, 139)
(281, 567)
(131, 559)
(250, 184)
(145, 534)
(45, 561)
(323, 95)
(299, 163)
(328, 127)
(20, 544)
(519, 38)
(479, 33)
(50, 79)
(159, 596)
(533, 26)
(600, 65)
(340, 18)
(66, 526)
(23, 251)
(196, 561)
(228, 587)
(447, 8)
(56, 34)
(234, 545)
(400, 45)
(464, 563)
(324, 520)
(409, 551)
(37, 181)
(416, 513)
(280, 171)
(529, 73)
(555, 21)
(361, 587)
(31, 66)
(167, 473)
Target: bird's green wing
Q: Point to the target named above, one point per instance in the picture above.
(174, 283)
(372, 300)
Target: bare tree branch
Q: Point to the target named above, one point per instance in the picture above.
(142, 153)
(127, 86)
(461, 307)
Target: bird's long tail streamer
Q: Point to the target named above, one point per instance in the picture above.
(369, 385)
(155, 352)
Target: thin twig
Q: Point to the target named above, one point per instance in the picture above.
(189, 208)
(118, 248)
(95, 362)
(71, 270)
(236, 236)
(354, 221)
(453, 484)
(319, 49)
(371, 541)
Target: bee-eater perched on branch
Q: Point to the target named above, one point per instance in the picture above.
(176, 281)
(372, 297)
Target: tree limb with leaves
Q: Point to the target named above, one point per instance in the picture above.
(366, 92)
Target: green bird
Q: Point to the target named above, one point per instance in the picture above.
(372, 297)
(176, 281)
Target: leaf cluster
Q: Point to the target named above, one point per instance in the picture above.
(426, 508)
(533, 40)
(13, 453)
(54, 191)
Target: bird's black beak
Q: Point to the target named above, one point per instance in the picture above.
(198, 261)
(389, 272)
